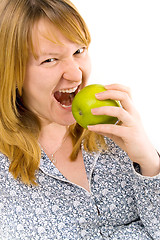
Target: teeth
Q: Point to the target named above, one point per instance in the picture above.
(68, 90)
(65, 106)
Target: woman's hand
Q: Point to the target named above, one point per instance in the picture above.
(129, 133)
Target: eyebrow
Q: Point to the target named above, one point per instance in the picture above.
(55, 54)
(43, 54)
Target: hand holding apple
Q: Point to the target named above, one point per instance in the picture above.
(85, 100)
(130, 135)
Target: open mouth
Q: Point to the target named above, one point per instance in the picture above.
(66, 96)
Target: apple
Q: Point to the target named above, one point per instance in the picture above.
(85, 100)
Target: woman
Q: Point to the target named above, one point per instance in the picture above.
(59, 181)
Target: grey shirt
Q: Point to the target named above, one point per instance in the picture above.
(121, 204)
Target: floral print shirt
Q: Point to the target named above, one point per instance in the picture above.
(122, 204)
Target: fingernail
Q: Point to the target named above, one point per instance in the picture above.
(107, 86)
(90, 127)
(93, 110)
(98, 95)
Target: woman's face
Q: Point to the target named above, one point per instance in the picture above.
(53, 78)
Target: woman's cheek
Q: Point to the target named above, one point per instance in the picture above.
(86, 69)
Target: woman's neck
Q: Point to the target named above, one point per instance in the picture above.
(51, 136)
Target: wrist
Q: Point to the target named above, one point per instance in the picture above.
(151, 167)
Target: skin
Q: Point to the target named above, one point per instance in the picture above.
(59, 66)
(64, 66)
(129, 134)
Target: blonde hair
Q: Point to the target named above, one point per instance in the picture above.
(19, 127)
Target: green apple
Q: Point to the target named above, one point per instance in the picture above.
(85, 100)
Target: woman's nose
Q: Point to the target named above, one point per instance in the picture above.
(72, 71)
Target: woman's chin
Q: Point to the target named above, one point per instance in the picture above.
(66, 121)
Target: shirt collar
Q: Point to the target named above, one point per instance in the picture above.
(50, 169)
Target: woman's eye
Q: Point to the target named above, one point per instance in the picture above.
(49, 60)
(80, 50)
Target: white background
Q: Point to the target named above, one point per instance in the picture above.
(125, 49)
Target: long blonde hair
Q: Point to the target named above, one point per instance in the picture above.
(19, 127)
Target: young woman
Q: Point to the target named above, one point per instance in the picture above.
(59, 181)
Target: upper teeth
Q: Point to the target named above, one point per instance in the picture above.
(68, 90)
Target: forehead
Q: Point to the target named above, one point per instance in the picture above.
(45, 35)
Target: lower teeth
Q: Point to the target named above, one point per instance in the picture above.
(65, 105)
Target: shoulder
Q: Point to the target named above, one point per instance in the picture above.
(116, 157)
(120, 157)
(3, 159)
(4, 163)
(113, 150)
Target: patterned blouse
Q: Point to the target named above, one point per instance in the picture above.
(121, 205)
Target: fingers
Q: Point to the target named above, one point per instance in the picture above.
(109, 129)
(118, 112)
(119, 87)
(127, 115)
(120, 93)
(123, 97)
